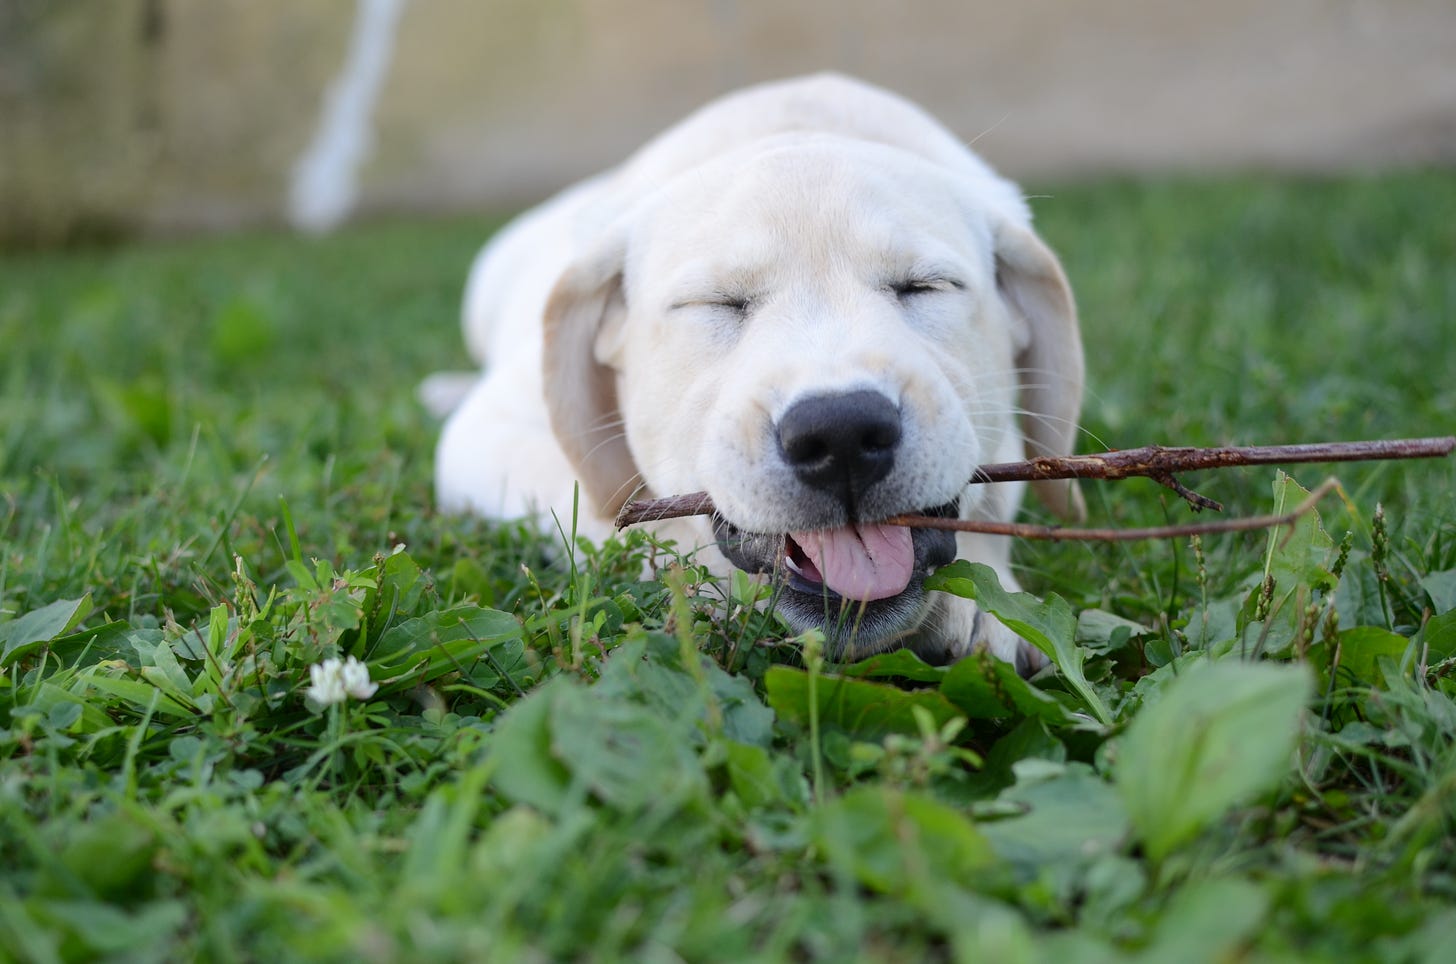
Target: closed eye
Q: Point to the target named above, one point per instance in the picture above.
(731, 303)
(911, 287)
(739, 305)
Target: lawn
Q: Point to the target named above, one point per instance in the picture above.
(214, 476)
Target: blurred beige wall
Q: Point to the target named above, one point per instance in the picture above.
(187, 114)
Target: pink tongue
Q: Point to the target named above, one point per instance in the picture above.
(861, 562)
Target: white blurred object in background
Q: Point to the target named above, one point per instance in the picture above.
(326, 179)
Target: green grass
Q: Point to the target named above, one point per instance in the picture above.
(210, 455)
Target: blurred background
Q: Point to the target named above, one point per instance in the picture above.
(148, 116)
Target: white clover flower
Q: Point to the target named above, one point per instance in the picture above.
(328, 683)
(335, 681)
(356, 679)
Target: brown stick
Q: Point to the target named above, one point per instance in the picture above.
(1057, 533)
(1154, 460)
(1151, 461)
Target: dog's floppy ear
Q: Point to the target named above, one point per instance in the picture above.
(582, 329)
(1050, 358)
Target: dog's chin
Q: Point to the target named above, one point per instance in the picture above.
(852, 629)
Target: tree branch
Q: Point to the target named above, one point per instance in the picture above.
(1151, 461)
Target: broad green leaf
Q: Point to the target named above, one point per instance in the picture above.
(625, 754)
(139, 695)
(896, 664)
(1357, 597)
(745, 718)
(469, 578)
(1361, 651)
(1072, 816)
(1149, 688)
(1215, 623)
(751, 774)
(1439, 636)
(1109, 887)
(1028, 740)
(981, 928)
(1219, 735)
(428, 646)
(859, 707)
(1441, 587)
(1080, 946)
(900, 843)
(116, 640)
(984, 687)
(509, 846)
(64, 715)
(648, 667)
(565, 740)
(1103, 631)
(1295, 559)
(23, 636)
(112, 855)
(1050, 626)
(401, 583)
(161, 668)
(1433, 940)
(54, 702)
(108, 929)
(1208, 921)
(761, 778)
(440, 833)
(522, 766)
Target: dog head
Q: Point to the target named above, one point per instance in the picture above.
(821, 332)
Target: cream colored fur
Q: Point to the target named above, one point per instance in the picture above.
(616, 355)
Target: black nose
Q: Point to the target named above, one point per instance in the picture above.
(841, 444)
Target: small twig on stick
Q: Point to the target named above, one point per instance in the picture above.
(1151, 461)
(1159, 463)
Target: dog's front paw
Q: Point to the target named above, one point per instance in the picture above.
(963, 628)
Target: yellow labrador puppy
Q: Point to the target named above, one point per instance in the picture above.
(812, 301)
